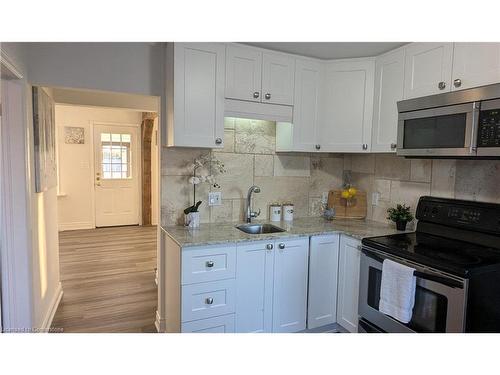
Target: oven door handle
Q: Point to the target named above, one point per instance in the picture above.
(421, 275)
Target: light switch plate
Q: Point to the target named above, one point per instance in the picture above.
(215, 198)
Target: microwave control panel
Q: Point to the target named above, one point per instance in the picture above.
(489, 128)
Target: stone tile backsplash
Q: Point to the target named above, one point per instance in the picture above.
(250, 158)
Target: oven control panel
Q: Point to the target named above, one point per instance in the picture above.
(489, 128)
(479, 216)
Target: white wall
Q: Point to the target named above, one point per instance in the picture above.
(121, 67)
(76, 179)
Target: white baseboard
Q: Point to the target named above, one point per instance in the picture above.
(49, 317)
(76, 225)
(159, 324)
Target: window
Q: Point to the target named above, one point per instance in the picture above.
(116, 159)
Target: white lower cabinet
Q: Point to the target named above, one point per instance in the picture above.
(271, 286)
(348, 287)
(323, 267)
(219, 324)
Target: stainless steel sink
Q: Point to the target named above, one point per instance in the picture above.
(259, 228)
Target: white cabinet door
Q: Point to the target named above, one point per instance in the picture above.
(306, 105)
(347, 303)
(428, 69)
(389, 89)
(323, 267)
(254, 287)
(277, 78)
(219, 324)
(348, 106)
(195, 94)
(475, 64)
(290, 285)
(243, 73)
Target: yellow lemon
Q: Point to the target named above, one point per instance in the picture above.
(352, 192)
(345, 194)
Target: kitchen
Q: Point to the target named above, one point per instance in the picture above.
(323, 168)
(294, 134)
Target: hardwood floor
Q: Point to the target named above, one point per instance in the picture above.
(107, 277)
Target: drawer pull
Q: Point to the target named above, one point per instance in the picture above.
(209, 300)
(209, 263)
(281, 246)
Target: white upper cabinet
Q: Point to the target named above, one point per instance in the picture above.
(346, 120)
(303, 132)
(277, 78)
(257, 76)
(475, 64)
(243, 73)
(195, 94)
(427, 69)
(389, 89)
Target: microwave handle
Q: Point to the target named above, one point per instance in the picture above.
(475, 122)
(422, 275)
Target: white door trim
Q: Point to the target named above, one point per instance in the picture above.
(93, 124)
(15, 202)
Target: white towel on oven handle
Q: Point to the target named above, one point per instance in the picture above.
(397, 290)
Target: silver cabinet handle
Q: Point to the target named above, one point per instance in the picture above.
(442, 85)
(393, 146)
(269, 246)
(209, 263)
(256, 94)
(281, 246)
(209, 300)
(268, 96)
(218, 141)
(318, 147)
(365, 146)
(457, 82)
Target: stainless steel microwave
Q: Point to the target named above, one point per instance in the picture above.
(458, 124)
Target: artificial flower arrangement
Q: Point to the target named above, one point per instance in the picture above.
(192, 218)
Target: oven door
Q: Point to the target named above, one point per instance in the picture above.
(442, 131)
(439, 299)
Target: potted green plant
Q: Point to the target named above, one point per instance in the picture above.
(401, 215)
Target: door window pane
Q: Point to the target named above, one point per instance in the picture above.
(115, 156)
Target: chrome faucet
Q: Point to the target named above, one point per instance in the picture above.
(250, 214)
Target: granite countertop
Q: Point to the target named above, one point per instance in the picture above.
(212, 234)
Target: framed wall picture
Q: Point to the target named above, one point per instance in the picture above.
(44, 140)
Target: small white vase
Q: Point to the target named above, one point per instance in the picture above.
(192, 220)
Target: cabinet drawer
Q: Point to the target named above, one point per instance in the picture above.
(200, 301)
(219, 324)
(208, 264)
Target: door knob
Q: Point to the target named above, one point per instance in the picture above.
(281, 246)
(209, 300)
(365, 146)
(209, 263)
(318, 147)
(393, 146)
(269, 246)
(457, 82)
(442, 85)
(256, 94)
(268, 96)
(218, 141)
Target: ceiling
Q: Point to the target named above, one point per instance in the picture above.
(331, 50)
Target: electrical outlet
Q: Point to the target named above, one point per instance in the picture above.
(375, 198)
(215, 198)
(324, 197)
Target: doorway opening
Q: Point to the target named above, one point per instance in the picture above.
(107, 210)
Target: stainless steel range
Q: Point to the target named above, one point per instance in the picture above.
(455, 252)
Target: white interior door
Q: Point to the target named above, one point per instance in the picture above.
(116, 157)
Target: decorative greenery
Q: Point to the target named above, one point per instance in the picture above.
(400, 213)
(212, 164)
